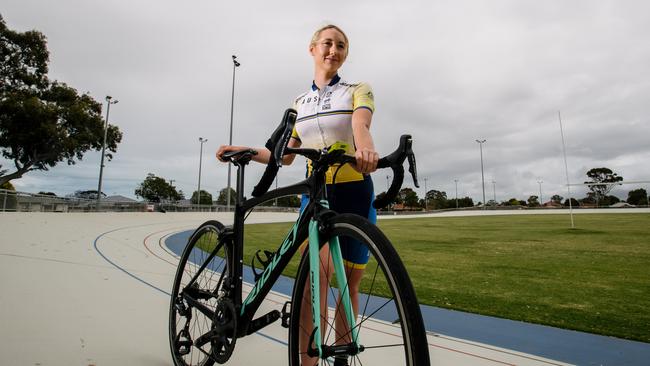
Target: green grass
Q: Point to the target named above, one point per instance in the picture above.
(534, 268)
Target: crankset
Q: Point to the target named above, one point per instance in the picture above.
(223, 333)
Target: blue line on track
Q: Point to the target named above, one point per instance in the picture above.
(121, 268)
(147, 283)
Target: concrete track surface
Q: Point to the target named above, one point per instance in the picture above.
(93, 289)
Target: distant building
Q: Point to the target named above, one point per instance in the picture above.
(119, 199)
(621, 205)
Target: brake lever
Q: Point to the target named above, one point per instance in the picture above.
(413, 168)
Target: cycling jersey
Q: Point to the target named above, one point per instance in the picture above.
(325, 117)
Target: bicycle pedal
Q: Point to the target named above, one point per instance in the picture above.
(263, 321)
(286, 314)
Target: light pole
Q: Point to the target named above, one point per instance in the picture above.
(101, 165)
(480, 143)
(198, 194)
(540, 192)
(456, 181)
(235, 65)
(566, 169)
(494, 192)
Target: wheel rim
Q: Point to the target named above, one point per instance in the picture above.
(383, 323)
(209, 284)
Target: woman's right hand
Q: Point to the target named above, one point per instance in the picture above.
(226, 148)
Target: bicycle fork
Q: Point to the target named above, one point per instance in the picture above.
(344, 294)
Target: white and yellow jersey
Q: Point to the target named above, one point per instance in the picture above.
(325, 117)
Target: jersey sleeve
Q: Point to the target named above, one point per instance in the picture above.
(362, 97)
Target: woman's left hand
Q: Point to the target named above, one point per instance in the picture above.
(366, 160)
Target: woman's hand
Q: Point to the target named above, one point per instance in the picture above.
(367, 159)
(227, 148)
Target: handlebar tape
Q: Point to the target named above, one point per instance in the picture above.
(267, 178)
(396, 184)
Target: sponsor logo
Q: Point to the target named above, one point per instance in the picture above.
(288, 242)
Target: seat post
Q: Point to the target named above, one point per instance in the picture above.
(240, 182)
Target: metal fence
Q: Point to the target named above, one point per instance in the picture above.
(12, 201)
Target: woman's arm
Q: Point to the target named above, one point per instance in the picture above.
(263, 154)
(366, 155)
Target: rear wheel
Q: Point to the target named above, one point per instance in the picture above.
(202, 271)
(389, 321)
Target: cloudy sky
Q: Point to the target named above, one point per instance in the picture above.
(447, 72)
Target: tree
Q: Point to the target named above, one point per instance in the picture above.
(155, 189)
(206, 198)
(288, 201)
(437, 200)
(8, 201)
(47, 193)
(87, 195)
(464, 202)
(574, 203)
(557, 198)
(511, 202)
(610, 200)
(408, 197)
(637, 197)
(221, 200)
(602, 175)
(43, 122)
(533, 201)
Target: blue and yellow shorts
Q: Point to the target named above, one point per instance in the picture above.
(356, 198)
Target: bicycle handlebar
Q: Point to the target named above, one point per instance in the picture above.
(277, 145)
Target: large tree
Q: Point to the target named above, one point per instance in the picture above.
(437, 200)
(222, 199)
(408, 197)
(606, 177)
(206, 198)
(43, 122)
(637, 197)
(155, 189)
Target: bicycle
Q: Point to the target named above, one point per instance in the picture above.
(208, 312)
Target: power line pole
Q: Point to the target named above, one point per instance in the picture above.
(566, 169)
(235, 65)
(101, 165)
(481, 142)
(198, 194)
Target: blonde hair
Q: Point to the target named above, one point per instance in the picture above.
(316, 35)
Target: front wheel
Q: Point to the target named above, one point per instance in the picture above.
(202, 271)
(388, 317)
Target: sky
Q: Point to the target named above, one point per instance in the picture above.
(446, 72)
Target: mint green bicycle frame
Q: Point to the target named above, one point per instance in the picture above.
(314, 275)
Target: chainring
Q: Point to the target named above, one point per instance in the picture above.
(224, 326)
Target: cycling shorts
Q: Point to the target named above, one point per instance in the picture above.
(356, 198)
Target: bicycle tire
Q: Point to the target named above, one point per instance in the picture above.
(379, 337)
(196, 253)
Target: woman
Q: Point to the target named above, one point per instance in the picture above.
(333, 110)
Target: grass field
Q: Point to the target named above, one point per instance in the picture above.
(534, 268)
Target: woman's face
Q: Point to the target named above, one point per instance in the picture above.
(329, 51)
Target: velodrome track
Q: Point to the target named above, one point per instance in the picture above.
(93, 289)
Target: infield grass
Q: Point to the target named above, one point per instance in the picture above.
(534, 268)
